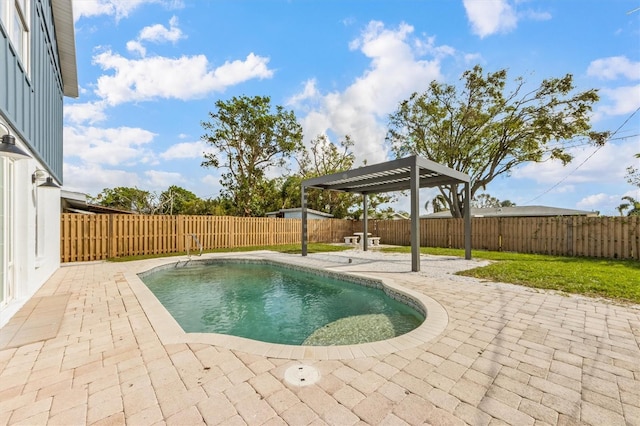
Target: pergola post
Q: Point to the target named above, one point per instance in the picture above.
(467, 220)
(415, 217)
(365, 224)
(304, 220)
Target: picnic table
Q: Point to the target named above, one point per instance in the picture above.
(357, 238)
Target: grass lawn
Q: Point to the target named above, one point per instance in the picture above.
(613, 279)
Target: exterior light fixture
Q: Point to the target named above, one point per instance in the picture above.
(9, 149)
(48, 183)
(39, 175)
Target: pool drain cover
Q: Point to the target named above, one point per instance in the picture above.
(301, 375)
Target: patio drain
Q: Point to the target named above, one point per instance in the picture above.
(301, 375)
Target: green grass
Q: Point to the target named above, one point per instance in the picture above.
(612, 279)
(286, 248)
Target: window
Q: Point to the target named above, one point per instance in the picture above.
(15, 18)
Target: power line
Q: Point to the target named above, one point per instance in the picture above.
(610, 138)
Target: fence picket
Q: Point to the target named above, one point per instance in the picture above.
(99, 237)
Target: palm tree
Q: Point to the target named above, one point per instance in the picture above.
(633, 204)
(622, 207)
(439, 203)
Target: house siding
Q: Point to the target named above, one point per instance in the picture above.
(32, 103)
(31, 107)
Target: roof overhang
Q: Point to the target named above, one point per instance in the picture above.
(66, 41)
(394, 175)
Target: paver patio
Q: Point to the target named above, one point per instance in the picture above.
(85, 350)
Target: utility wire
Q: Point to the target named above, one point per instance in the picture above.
(610, 138)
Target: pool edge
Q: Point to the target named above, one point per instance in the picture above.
(170, 332)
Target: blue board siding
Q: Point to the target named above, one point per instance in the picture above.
(33, 103)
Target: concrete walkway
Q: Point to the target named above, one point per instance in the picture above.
(88, 350)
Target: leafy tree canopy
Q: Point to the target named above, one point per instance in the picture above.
(176, 200)
(631, 206)
(486, 201)
(124, 198)
(322, 158)
(633, 174)
(249, 139)
(484, 130)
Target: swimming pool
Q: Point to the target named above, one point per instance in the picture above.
(281, 304)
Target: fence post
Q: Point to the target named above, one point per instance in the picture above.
(110, 237)
(570, 247)
(180, 233)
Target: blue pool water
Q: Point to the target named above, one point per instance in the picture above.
(279, 305)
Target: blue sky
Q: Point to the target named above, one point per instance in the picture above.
(151, 70)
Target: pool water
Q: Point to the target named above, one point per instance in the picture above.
(278, 305)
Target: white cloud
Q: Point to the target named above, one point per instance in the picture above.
(607, 166)
(625, 100)
(122, 146)
(614, 67)
(160, 77)
(212, 185)
(472, 58)
(535, 15)
(157, 34)
(157, 180)
(92, 178)
(136, 47)
(88, 112)
(490, 16)
(117, 8)
(361, 110)
(564, 189)
(310, 91)
(187, 150)
(604, 203)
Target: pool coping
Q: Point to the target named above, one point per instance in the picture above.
(170, 332)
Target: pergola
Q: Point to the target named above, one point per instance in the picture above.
(409, 173)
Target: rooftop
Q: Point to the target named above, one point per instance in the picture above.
(516, 211)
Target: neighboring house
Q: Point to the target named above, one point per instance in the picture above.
(37, 70)
(399, 216)
(76, 202)
(517, 211)
(297, 214)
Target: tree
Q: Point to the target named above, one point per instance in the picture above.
(176, 200)
(249, 139)
(485, 131)
(633, 174)
(124, 198)
(632, 205)
(622, 208)
(439, 203)
(374, 207)
(486, 201)
(322, 158)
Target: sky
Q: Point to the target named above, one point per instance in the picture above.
(150, 71)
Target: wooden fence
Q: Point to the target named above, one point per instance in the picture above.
(605, 237)
(98, 237)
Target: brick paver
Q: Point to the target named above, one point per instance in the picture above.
(508, 355)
